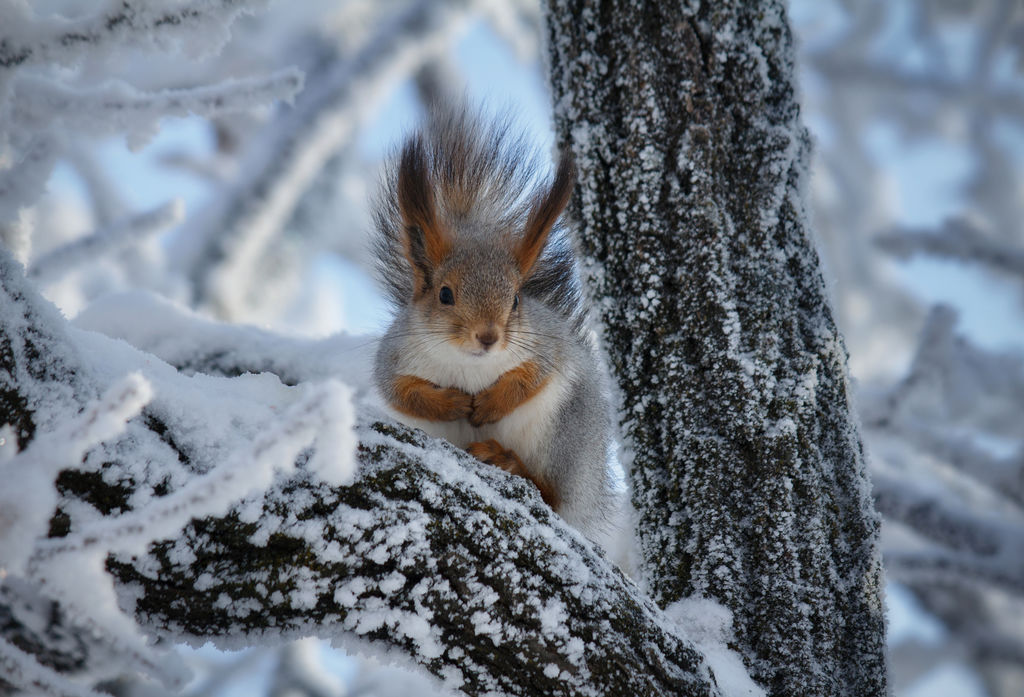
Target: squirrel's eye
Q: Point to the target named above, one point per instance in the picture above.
(447, 297)
(515, 302)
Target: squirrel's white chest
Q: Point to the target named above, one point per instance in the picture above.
(526, 430)
(447, 366)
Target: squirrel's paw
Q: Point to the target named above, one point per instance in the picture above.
(452, 403)
(494, 453)
(424, 400)
(488, 407)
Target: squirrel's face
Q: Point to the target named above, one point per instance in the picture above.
(472, 299)
(466, 278)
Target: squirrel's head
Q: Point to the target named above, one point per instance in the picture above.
(469, 271)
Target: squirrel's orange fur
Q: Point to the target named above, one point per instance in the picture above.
(508, 392)
(494, 453)
(424, 400)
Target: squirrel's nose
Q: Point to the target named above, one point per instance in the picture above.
(487, 338)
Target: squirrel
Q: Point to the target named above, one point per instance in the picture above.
(488, 346)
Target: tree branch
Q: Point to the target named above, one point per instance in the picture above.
(456, 565)
(119, 108)
(120, 234)
(26, 39)
(430, 555)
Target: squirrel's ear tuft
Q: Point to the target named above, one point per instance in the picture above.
(546, 208)
(426, 244)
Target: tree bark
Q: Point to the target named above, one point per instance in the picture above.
(747, 472)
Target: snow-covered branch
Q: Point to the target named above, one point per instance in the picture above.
(958, 240)
(117, 107)
(197, 26)
(38, 109)
(193, 344)
(951, 380)
(28, 507)
(943, 567)
(54, 264)
(25, 180)
(951, 90)
(946, 522)
(458, 566)
(24, 671)
(1002, 475)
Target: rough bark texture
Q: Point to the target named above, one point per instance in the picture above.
(748, 473)
(410, 550)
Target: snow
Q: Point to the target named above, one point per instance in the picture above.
(25, 510)
(23, 669)
(243, 432)
(708, 625)
(186, 339)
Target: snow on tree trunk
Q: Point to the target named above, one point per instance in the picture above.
(747, 470)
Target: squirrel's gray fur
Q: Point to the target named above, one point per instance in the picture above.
(484, 185)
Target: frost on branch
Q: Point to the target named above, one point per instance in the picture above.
(44, 110)
(747, 469)
(949, 477)
(957, 240)
(194, 27)
(68, 514)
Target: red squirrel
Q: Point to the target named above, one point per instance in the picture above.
(488, 347)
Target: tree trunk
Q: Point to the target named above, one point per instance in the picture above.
(747, 470)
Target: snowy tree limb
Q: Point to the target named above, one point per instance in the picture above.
(853, 70)
(945, 521)
(26, 509)
(429, 554)
(747, 469)
(24, 181)
(413, 557)
(941, 567)
(958, 240)
(116, 107)
(66, 257)
(104, 196)
(198, 24)
(1004, 476)
(951, 380)
(21, 670)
